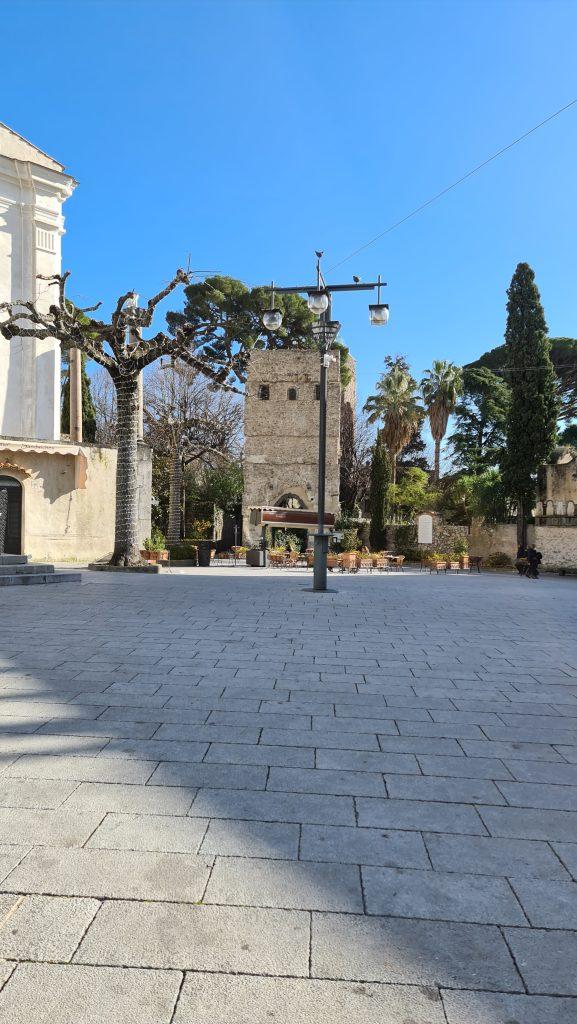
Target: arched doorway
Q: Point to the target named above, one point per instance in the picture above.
(10, 516)
(283, 535)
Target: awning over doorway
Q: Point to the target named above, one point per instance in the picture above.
(297, 518)
(33, 447)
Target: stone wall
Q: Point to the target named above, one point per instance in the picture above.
(445, 536)
(281, 436)
(558, 545)
(68, 501)
(487, 540)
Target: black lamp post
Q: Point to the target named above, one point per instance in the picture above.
(325, 331)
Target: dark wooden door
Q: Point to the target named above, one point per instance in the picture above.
(10, 516)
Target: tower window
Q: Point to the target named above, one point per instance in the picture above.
(264, 392)
(292, 394)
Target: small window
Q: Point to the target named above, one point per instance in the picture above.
(264, 392)
(318, 392)
(292, 394)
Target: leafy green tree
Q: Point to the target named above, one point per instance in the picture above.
(569, 435)
(478, 440)
(220, 487)
(440, 387)
(413, 494)
(532, 417)
(88, 410)
(564, 358)
(414, 455)
(396, 406)
(379, 494)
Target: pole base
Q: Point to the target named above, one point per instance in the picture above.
(320, 563)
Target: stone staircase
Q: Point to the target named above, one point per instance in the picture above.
(16, 570)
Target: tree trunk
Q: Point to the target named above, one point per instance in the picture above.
(437, 468)
(393, 467)
(521, 525)
(175, 492)
(126, 546)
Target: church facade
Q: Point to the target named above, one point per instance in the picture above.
(56, 493)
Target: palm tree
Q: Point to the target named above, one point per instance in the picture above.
(396, 406)
(440, 387)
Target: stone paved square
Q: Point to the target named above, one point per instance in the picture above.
(223, 797)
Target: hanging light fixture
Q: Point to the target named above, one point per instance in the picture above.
(379, 311)
(272, 318)
(318, 302)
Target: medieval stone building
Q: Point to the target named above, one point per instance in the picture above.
(281, 430)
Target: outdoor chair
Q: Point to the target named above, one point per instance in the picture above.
(381, 563)
(397, 562)
(365, 562)
(475, 562)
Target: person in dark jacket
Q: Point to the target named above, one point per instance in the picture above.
(533, 558)
(521, 563)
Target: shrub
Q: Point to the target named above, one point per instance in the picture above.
(350, 541)
(461, 546)
(498, 560)
(201, 529)
(156, 542)
(184, 552)
(412, 554)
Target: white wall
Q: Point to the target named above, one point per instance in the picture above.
(31, 227)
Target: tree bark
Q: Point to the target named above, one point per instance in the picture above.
(175, 492)
(126, 546)
(437, 468)
(521, 525)
(393, 467)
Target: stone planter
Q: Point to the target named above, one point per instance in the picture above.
(348, 560)
(154, 556)
(332, 562)
(256, 558)
(464, 561)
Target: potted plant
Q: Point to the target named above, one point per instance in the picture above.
(154, 549)
(461, 552)
(350, 545)
(437, 562)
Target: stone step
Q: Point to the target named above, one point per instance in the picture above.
(13, 559)
(25, 568)
(26, 579)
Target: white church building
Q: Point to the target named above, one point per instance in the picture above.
(56, 493)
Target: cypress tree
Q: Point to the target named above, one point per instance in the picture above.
(379, 494)
(532, 418)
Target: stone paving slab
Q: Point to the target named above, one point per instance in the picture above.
(47, 828)
(43, 927)
(216, 761)
(10, 856)
(68, 994)
(356, 948)
(237, 939)
(363, 846)
(251, 839)
(208, 998)
(284, 884)
(546, 960)
(155, 833)
(81, 769)
(267, 806)
(494, 856)
(491, 1008)
(122, 874)
(441, 896)
(102, 797)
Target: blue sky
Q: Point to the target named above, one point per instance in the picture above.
(249, 133)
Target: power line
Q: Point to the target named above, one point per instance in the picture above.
(449, 188)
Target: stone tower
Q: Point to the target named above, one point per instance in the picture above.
(281, 428)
